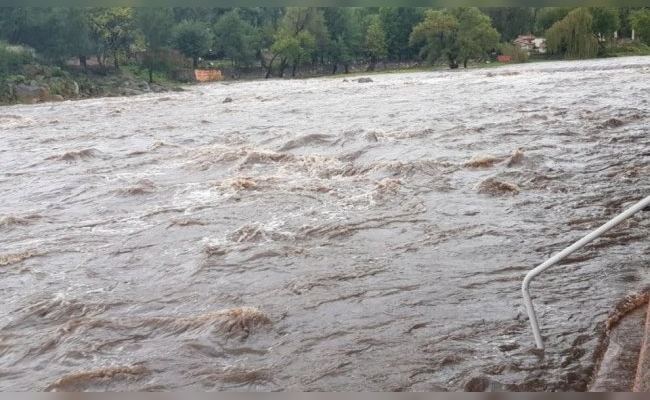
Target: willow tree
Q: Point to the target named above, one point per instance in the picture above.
(573, 36)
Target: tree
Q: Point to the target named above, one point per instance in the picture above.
(640, 22)
(573, 36)
(300, 33)
(375, 42)
(346, 36)
(294, 50)
(438, 32)
(75, 34)
(236, 38)
(625, 30)
(605, 22)
(398, 22)
(511, 21)
(155, 25)
(476, 37)
(455, 33)
(193, 39)
(113, 29)
(201, 14)
(55, 33)
(545, 17)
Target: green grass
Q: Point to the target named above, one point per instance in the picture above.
(624, 49)
(140, 73)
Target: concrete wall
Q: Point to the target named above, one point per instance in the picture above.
(207, 75)
(198, 75)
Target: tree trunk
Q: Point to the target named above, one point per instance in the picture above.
(150, 74)
(83, 62)
(334, 69)
(346, 68)
(293, 69)
(453, 63)
(283, 65)
(195, 62)
(465, 63)
(371, 66)
(269, 68)
(115, 62)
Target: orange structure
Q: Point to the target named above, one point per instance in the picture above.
(207, 75)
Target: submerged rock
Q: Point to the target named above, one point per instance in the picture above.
(494, 187)
(482, 161)
(613, 123)
(516, 157)
(158, 88)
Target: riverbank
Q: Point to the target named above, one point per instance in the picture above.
(39, 83)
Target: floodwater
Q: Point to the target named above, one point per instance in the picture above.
(323, 234)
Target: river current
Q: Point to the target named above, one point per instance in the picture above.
(323, 234)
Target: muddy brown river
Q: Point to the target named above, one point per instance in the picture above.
(323, 234)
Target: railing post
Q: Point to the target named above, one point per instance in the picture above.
(564, 253)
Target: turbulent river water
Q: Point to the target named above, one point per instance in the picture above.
(323, 234)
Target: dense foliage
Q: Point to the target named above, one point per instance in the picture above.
(281, 38)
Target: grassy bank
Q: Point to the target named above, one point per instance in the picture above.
(33, 82)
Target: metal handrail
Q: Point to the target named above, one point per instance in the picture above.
(559, 256)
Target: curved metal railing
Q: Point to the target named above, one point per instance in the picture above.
(564, 253)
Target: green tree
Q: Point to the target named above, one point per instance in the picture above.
(267, 28)
(75, 34)
(625, 30)
(294, 50)
(207, 15)
(13, 58)
(605, 21)
(438, 31)
(113, 30)
(259, 16)
(573, 36)
(397, 23)
(155, 24)
(193, 39)
(236, 38)
(455, 33)
(346, 36)
(640, 22)
(476, 36)
(55, 33)
(545, 17)
(300, 33)
(375, 43)
(511, 21)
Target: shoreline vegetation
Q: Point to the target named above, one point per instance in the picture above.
(56, 54)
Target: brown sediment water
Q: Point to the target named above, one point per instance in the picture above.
(321, 234)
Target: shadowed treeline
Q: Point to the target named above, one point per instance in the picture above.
(166, 44)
